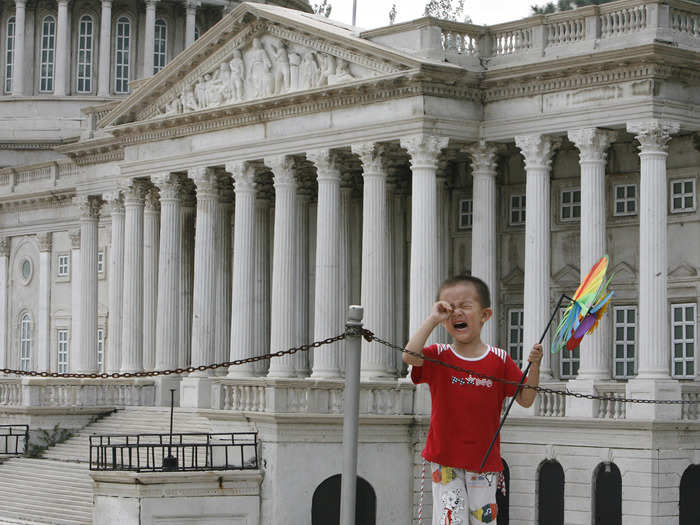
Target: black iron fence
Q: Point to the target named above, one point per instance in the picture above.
(176, 452)
(14, 439)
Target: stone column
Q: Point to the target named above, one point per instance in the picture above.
(149, 37)
(63, 53)
(443, 239)
(195, 388)
(303, 287)
(19, 65)
(4, 258)
(261, 293)
(484, 213)
(116, 282)
(537, 151)
(223, 273)
(375, 287)
(187, 225)
(104, 69)
(44, 320)
(424, 151)
(86, 358)
(242, 341)
(151, 242)
(345, 258)
(132, 312)
(190, 21)
(401, 267)
(169, 258)
(329, 301)
(74, 357)
(285, 301)
(653, 375)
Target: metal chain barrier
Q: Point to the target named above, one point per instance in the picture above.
(350, 331)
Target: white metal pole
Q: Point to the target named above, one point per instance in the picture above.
(354, 12)
(351, 402)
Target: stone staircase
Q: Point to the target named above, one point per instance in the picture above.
(57, 487)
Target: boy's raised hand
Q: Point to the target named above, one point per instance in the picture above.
(441, 311)
(535, 356)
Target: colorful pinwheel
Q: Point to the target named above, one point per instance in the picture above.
(589, 304)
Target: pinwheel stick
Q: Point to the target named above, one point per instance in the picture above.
(522, 380)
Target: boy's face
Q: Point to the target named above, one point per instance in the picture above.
(468, 316)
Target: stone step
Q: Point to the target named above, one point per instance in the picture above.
(60, 483)
(47, 511)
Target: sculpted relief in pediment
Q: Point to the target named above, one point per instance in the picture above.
(265, 66)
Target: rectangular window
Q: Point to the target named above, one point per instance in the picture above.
(515, 335)
(121, 60)
(683, 328)
(625, 199)
(466, 208)
(160, 43)
(85, 55)
(62, 351)
(100, 262)
(570, 205)
(9, 54)
(682, 195)
(624, 342)
(569, 360)
(48, 50)
(517, 210)
(63, 266)
(100, 349)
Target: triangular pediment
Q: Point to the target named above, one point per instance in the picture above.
(683, 270)
(567, 275)
(258, 53)
(623, 273)
(515, 278)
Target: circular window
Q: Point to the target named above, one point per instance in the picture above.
(26, 269)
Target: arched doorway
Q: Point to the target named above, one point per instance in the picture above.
(325, 505)
(689, 505)
(503, 500)
(607, 495)
(550, 493)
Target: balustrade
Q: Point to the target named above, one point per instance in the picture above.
(690, 392)
(612, 408)
(616, 20)
(551, 405)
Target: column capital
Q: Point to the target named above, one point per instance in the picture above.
(106, 3)
(592, 143)
(114, 201)
(152, 200)
(282, 167)
(226, 191)
(205, 180)
(653, 135)
(192, 4)
(20, 3)
(64, 2)
(168, 184)
(243, 173)
(424, 149)
(89, 206)
(326, 162)
(74, 238)
(151, 3)
(371, 156)
(4, 246)
(44, 241)
(483, 155)
(537, 149)
(134, 192)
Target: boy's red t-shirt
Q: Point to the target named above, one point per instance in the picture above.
(466, 409)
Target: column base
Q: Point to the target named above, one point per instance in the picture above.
(659, 389)
(241, 372)
(576, 407)
(195, 392)
(163, 386)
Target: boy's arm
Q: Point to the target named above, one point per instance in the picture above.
(526, 396)
(441, 311)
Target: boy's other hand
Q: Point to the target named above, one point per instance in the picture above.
(441, 311)
(535, 356)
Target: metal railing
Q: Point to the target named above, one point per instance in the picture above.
(14, 439)
(192, 452)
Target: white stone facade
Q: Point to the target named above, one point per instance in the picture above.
(302, 165)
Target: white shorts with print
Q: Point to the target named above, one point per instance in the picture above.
(461, 497)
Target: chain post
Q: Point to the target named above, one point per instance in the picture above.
(351, 419)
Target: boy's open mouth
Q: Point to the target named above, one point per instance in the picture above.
(460, 326)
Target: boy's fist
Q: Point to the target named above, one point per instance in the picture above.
(441, 311)
(535, 354)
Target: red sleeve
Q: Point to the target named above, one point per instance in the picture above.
(423, 374)
(511, 373)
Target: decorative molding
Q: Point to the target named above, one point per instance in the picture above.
(45, 243)
(53, 200)
(4, 246)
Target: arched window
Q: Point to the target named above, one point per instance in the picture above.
(160, 45)
(689, 502)
(503, 500)
(48, 53)
(325, 504)
(607, 495)
(122, 48)
(9, 53)
(550, 493)
(25, 342)
(85, 41)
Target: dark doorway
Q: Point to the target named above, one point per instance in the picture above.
(550, 494)
(689, 506)
(325, 505)
(501, 500)
(607, 498)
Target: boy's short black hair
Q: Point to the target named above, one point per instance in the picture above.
(482, 289)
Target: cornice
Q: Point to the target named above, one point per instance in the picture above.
(96, 151)
(46, 200)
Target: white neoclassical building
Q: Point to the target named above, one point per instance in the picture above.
(166, 205)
